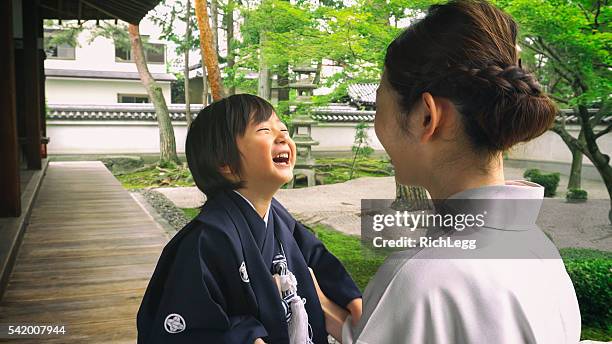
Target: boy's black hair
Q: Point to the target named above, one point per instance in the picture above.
(211, 139)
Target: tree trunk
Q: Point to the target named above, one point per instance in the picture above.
(263, 89)
(231, 57)
(576, 169)
(599, 159)
(167, 143)
(602, 163)
(589, 148)
(410, 198)
(209, 58)
(317, 76)
(204, 83)
(214, 11)
(283, 82)
(186, 71)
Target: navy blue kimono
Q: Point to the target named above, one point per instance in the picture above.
(213, 281)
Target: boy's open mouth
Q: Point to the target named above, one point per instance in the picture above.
(281, 159)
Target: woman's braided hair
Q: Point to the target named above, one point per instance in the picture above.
(465, 51)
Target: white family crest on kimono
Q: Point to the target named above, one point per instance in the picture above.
(174, 323)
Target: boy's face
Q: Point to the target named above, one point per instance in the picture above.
(267, 154)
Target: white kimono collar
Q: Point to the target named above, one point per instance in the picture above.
(265, 218)
(513, 206)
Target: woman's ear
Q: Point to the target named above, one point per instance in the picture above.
(431, 118)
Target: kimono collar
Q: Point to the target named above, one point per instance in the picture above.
(513, 206)
(512, 189)
(265, 218)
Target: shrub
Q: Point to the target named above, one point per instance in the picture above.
(574, 253)
(549, 181)
(590, 273)
(531, 172)
(593, 284)
(576, 194)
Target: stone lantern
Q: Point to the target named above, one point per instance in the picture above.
(302, 136)
(302, 126)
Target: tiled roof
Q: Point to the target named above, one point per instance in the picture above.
(101, 74)
(342, 113)
(334, 113)
(363, 94)
(115, 112)
(348, 113)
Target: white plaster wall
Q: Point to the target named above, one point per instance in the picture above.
(340, 137)
(96, 137)
(550, 147)
(113, 137)
(94, 91)
(99, 54)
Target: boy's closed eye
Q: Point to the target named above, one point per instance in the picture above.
(268, 129)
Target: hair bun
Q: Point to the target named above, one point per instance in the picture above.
(509, 106)
(511, 79)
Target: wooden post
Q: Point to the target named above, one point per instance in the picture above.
(10, 196)
(32, 76)
(41, 88)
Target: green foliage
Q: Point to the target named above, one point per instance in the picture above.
(574, 253)
(576, 194)
(153, 176)
(361, 145)
(595, 333)
(567, 43)
(531, 172)
(166, 16)
(353, 37)
(593, 284)
(190, 213)
(549, 181)
(338, 170)
(117, 33)
(67, 33)
(177, 89)
(358, 261)
(122, 164)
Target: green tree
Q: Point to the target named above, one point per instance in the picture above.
(361, 145)
(567, 43)
(127, 38)
(167, 141)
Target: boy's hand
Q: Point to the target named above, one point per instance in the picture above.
(355, 307)
(259, 341)
(334, 314)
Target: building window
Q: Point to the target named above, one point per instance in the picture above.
(154, 53)
(132, 98)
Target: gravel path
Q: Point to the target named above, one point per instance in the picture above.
(338, 206)
(165, 208)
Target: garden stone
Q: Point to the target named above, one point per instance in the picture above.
(120, 164)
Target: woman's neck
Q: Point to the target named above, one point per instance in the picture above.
(260, 200)
(447, 182)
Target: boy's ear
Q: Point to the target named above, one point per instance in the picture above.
(225, 169)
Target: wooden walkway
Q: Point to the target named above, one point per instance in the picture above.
(85, 259)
